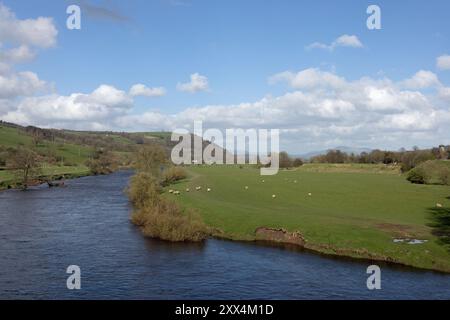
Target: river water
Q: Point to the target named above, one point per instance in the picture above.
(43, 231)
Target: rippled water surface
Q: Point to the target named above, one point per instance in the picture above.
(42, 231)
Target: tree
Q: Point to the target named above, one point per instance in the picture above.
(298, 162)
(335, 156)
(102, 162)
(25, 162)
(285, 160)
(151, 159)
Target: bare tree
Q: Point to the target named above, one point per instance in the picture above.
(25, 162)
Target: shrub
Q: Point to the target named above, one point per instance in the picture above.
(417, 175)
(173, 174)
(102, 162)
(444, 176)
(143, 190)
(297, 162)
(166, 221)
(159, 217)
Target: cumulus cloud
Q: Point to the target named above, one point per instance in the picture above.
(17, 55)
(443, 62)
(444, 93)
(344, 40)
(142, 90)
(197, 83)
(308, 78)
(422, 79)
(321, 110)
(20, 84)
(16, 38)
(103, 104)
(326, 110)
(39, 32)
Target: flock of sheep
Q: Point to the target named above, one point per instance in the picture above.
(176, 192)
(199, 188)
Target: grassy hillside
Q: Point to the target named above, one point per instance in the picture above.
(65, 152)
(348, 213)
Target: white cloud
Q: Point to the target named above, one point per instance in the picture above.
(344, 40)
(328, 111)
(308, 78)
(17, 55)
(142, 90)
(16, 38)
(444, 93)
(422, 79)
(443, 62)
(100, 106)
(39, 32)
(197, 83)
(323, 110)
(26, 83)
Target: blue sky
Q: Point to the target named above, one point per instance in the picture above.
(238, 46)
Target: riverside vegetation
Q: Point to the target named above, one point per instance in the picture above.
(159, 217)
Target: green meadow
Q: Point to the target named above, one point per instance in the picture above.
(349, 210)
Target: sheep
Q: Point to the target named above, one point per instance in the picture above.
(198, 188)
(246, 187)
(310, 194)
(274, 196)
(438, 205)
(176, 193)
(295, 181)
(187, 190)
(263, 181)
(170, 191)
(208, 190)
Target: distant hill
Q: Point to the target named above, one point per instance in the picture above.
(344, 149)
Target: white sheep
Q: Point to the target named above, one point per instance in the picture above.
(170, 191)
(198, 188)
(177, 192)
(187, 190)
(438, 205)
(310, 194)
(209, 189)
(246, 187)
(274, 196)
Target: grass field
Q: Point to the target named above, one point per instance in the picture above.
(353, 212)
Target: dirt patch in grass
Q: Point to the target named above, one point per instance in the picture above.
(280, 235)
(399, 230)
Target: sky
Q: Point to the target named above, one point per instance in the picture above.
(309, 68)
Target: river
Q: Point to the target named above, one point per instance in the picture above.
(43, 231)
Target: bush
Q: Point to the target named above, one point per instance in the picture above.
(417, 175)
(159, 217)
(297, 162)
(143, 190)
(444, 176)
(165, 220)
(102, 162)
(173, 174)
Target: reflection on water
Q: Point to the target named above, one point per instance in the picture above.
(42, 231)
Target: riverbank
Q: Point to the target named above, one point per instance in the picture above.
(50, 173)
(364, 215)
